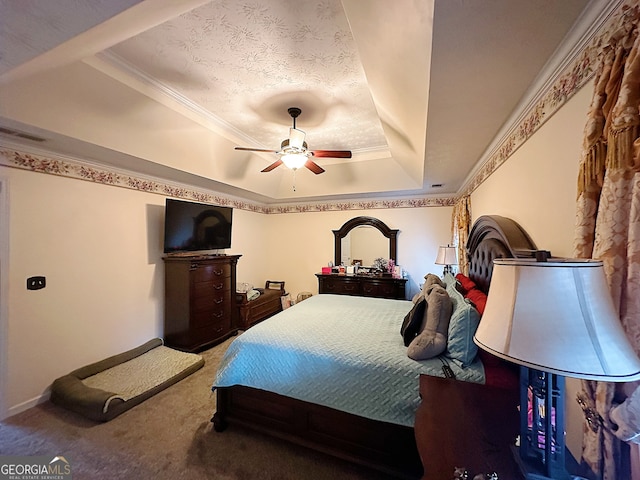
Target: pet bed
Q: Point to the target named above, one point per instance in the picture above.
(103, 390)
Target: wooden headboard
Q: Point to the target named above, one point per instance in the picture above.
(493, 236)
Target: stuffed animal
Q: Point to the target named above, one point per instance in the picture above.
(432, 337)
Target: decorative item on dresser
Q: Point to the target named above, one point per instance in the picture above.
(334, 393)
(362, 285)
(199, 300)
(268, 303)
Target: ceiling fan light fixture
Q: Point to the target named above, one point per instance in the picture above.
(294, 160)
(294, 152)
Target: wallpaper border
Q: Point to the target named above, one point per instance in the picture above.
(53, 164)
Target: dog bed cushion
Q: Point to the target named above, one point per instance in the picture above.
(105, 389)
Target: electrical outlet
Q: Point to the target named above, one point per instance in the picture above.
(36, 283)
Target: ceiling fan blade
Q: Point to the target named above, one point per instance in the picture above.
(275, 164)
(314, 167)
(249, 149)
(331, 153)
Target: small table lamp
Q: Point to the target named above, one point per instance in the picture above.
(555, 319)
(447, 256)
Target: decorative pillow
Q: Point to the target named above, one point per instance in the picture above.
(448, 279)
(413, 321)
(478, 298)
(462, 327)
(432, 340)
(465, 282)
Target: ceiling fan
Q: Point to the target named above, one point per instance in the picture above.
(294, 152)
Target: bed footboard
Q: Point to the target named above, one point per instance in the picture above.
(379, 445)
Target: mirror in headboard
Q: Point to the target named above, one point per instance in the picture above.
(388, 235)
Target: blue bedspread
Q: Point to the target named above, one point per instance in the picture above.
(339, 351)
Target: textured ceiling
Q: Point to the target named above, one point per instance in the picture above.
(247, 62)
(417, 90)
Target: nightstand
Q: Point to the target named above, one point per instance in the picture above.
(470, 425)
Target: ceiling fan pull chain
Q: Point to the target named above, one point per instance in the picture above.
(294, 179)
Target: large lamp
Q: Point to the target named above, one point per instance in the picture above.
(555, 319)
(447, 256)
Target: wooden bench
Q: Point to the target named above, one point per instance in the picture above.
(256, 310)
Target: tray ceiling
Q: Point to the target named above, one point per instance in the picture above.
(417, 90)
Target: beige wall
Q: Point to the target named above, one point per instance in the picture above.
(100, 249)
(537, 188)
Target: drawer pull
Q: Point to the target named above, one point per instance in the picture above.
(219, 286)
(218, 272)
(218, 314)
(218, 301)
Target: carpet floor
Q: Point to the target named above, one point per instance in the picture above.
(169, 436)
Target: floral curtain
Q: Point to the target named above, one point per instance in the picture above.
(608, 223)
(460, 226)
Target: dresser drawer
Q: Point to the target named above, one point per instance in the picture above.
(366, 286)
(373, 288)
(211, 316)
(341, 286)
(203, 272)
(209, 300)
(219, 287)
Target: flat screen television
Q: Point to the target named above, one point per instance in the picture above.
(190, 226)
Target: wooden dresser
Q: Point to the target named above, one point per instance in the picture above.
(362, 285)
(199, 301)
(470, 425)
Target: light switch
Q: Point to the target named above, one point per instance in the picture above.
(36, 283)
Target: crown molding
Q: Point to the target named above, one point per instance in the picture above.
(572, 65)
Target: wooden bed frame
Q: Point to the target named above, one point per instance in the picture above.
(379, 445)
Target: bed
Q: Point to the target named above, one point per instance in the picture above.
(333, 374)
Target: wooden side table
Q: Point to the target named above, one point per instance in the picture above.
(463, 424)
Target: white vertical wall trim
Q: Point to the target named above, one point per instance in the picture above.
(4, 292)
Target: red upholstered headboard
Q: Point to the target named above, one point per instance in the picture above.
(493, 236)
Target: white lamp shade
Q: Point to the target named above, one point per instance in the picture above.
(296, 138)
(557, 317)
(447, 256)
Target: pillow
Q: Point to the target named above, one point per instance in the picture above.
(478, 298)
(413, 321)
(448, 279)
(432, 340)
(465, 282)
(462, 327)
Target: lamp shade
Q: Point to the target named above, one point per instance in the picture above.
(556, 317)
(447, 256)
